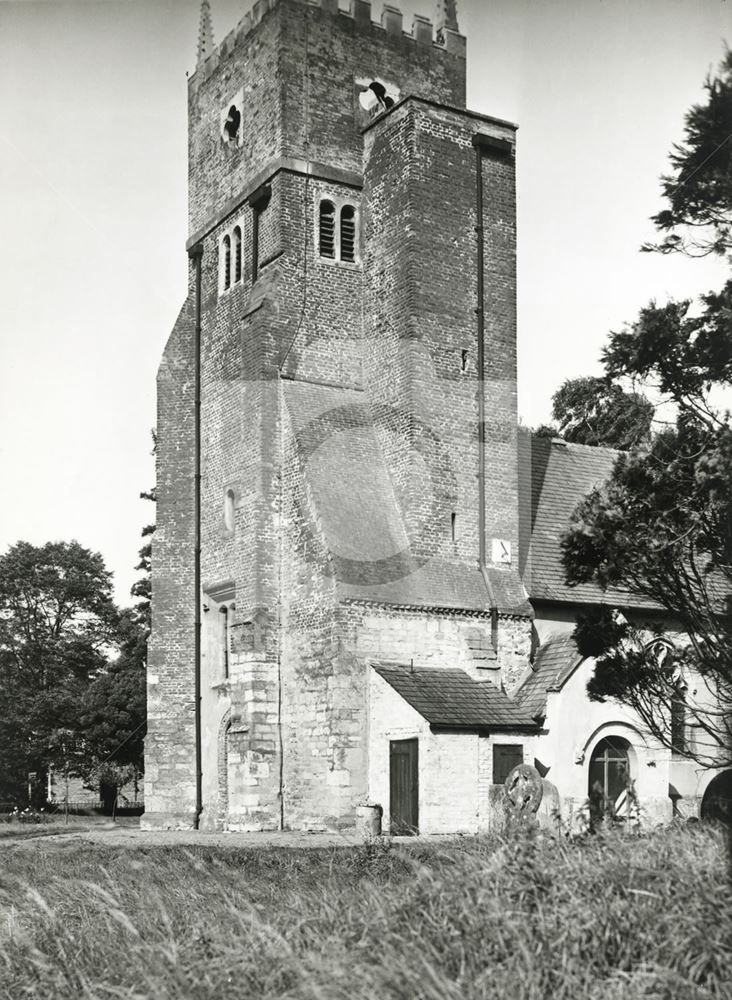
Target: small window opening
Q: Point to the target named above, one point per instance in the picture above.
(375, 98)
(327, 229)
(348, 233)
(237, 254)
(229, 510)
(227, 262)
(258, 203)
(463, 361)
(224, 641)
(678, 725)
(232, 123)
(453, 525)
(255, 243)
(505, 757)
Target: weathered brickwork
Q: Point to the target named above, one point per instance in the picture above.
(431, 637)
(297, 65)
(338, 424)
(421, 260)
(170, 772)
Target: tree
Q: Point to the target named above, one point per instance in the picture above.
(114, 710)
(142, 588)
(657, 528)
(57, 622)
(662, 525)
(597, 411)
(697, 218)
(545, 431)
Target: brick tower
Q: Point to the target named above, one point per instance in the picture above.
(336, 483)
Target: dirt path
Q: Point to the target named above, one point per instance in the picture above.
(113, 835)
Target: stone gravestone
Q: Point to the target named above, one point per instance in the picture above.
(530, 798)
(523, 792)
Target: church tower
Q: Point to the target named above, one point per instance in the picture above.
(337, 455)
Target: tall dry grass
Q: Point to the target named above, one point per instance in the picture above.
(526, 917)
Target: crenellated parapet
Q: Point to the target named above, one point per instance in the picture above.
(447, 36)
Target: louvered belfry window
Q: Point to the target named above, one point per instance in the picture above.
(348, 233)
(237, 254)
(227, 262)
(327, 229)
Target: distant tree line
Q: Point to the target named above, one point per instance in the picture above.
(72, 670)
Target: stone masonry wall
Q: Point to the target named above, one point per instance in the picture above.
(284, 735)
(170, 768)
(325, 342)
(434, 638)
(217, 170)
(322, 682)
(297, 69)
(421, 363)
(322, 116)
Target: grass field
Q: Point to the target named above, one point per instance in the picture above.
(528, 917)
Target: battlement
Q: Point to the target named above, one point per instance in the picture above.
(286, 85)
(358, 11)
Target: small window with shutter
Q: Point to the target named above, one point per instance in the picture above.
(505, 757)
(226, 262)
(327, 242)
(348, 233)
(237, 254)
(337, 231)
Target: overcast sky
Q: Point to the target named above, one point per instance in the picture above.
(93, 210)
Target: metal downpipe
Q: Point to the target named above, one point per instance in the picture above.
(480, 315)
(196, 254)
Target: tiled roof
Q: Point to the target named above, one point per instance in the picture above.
(554, 663)
(450, 697)
(349, 487)
(553, 477)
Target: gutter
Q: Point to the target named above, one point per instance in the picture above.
(483, 729)
(195, 254)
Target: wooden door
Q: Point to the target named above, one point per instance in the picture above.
(404, 787)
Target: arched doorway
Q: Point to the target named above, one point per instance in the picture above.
(609, 778)
(717, 801)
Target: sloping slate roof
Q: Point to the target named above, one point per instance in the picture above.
(553, 477)
(554, 663)
(352, 495)
(450, 697)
